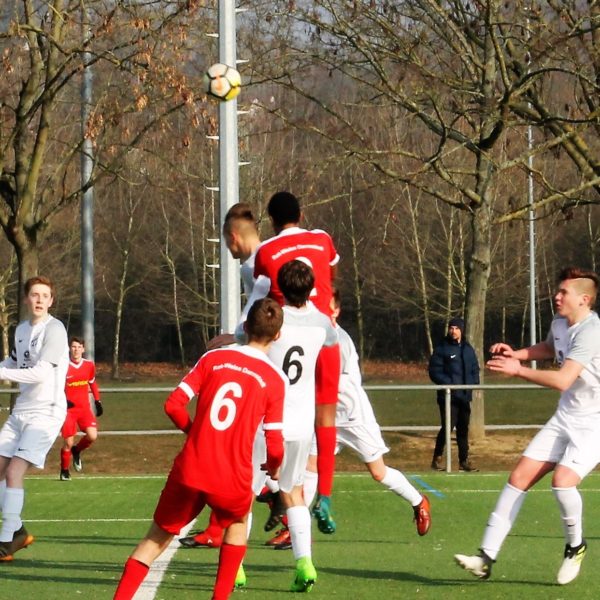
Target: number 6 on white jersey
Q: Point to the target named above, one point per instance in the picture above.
(222, 401)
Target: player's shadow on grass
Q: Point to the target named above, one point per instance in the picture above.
(89, 540)
(427, 581)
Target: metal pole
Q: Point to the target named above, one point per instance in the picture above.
(87, 206)
(531, 218)
(228, 170)
(448, 410)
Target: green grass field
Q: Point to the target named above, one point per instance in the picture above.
(86, 529)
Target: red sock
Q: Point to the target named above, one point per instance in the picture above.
(133, 575)
(65, 459)
(326, 439)
(230, 559)
(214, 529)
(84, 443)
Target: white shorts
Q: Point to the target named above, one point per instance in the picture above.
(294, 464)
(569, 441)
(259, 457)
(29, 437)
(366, 440)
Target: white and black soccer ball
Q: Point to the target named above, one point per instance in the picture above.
(222, 82)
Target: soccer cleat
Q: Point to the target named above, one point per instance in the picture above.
(322, 512)
(479, 565)
(77, 464)
(65, 475)
(283, 541)
(277, 512)
(265, 496)
(571, 563)
(21, 539)
(423, 515)
(281, 536)
(201, 539)
(240, 578)
(306, 575)
(467, 467)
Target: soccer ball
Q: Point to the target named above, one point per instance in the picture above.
(222, 82)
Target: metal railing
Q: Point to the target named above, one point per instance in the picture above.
(375, 388)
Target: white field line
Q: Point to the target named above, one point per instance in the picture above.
(150, 585)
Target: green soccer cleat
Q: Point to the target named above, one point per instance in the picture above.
(322, 512)
(306, 575)
(240, 579)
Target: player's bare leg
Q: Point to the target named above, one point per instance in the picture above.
(138, 564)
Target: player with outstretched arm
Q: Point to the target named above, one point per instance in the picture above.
(567, 445)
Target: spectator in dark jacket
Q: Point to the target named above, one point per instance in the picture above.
(454, 362)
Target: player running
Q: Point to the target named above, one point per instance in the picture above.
(567, 445)
(237, 388)
(38, 363)
(81, 378)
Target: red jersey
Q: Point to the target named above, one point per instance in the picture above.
(315, 247)
(237, 388)
(81, 378)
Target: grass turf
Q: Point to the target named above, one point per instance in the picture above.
(86, 528)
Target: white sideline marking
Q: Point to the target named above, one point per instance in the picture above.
(150, 585)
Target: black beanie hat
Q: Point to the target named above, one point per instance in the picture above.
(457, 322)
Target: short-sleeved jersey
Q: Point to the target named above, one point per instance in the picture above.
(353, 407)
(237, 388)
(315, 247)
(579, 342)
(81, 377)
(304, 332)
(47, 342)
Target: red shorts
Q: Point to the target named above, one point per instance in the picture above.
(179, 504)
(78, 416)
(327, 375)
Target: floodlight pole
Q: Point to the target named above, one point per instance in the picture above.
(531, 219)
(87, 205)
(228, 170)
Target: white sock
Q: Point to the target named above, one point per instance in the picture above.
(571, 511)
(2, 490)
(397, 483)
(11, 513)
(299, 526)
(272, 485)
(502, 519)
(248, 525)
(310, 486)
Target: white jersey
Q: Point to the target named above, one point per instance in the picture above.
(353, 407)
(304, 332)
(247, 275)
(39, 363)
(579, 342)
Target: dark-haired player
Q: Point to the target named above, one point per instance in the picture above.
(81, 379)
(316, 248)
